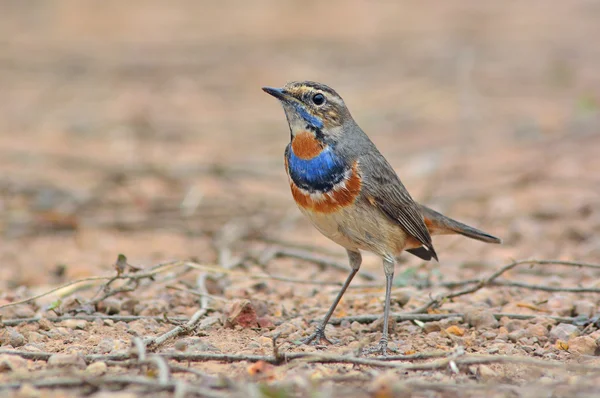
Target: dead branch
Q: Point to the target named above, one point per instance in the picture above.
(436, 302)
(116, 318)
(178, 330)
(130, 277)
(153, 385)
(437, 317)
(464, 360)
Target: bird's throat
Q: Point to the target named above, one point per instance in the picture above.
(319, 172)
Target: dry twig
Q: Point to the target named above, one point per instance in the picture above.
(435, 302)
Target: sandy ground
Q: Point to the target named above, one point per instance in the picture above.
(142, 130)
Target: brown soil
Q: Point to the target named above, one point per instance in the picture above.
(142, 130)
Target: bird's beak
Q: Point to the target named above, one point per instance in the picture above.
(278, 93)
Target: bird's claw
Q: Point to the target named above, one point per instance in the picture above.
(317, 338)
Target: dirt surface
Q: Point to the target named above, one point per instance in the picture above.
(142, 130)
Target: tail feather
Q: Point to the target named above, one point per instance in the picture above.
(439, 224)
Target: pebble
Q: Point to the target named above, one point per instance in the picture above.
(114, 394)
(560, 304)
(110, 306)
(489, 335)
(481, 319)
(10, 336)
(563, 331)
(104, 346)
(486, 373)
(28, 391)
(493, 350)
(266, 322)
(96, 369)
(357, 327)
(584, 308)
(143, 327)
(242, 313)
(75, 324)
(66, 361)
(514, 325)
(377, 326)
(35, 337)
(24, 312)
(11, 362)
(516, 335)
(431, 327)
(537, 330)
(584, 345)
(152, 307)
(45, 324)
(539, 352)
(209, 322)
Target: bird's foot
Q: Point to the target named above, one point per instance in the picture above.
(380, 349)
(317, 338)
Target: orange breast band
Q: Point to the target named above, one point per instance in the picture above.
(332, 201)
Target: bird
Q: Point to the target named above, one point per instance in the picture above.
(343, 184)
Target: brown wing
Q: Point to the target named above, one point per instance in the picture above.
(383, 188)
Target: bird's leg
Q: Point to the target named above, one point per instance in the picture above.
(382, 347)
(319, 334)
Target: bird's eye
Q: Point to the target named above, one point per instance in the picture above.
(318, 99)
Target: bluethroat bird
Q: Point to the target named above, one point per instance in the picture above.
(351, 194)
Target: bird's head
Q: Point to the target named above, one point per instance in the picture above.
(312, 107)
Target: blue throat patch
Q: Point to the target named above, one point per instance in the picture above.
(313, 121)
(319, 174)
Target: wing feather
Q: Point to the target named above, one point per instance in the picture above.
(384, 189)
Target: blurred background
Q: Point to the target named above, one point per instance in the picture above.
(141, 128)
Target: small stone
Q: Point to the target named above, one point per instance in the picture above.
(584, 308)
(35, 337)
(265, 322)
(209, 321)
(447, 322)
(487, 373)
(45, 324)
(517, 335)
(377, 326)
(105, 346)
(489, 335)
(480, 319)
(514, 325)
(109, 306)
(584, 345)
(560, 304)
(539, 352)
(10, 363)
(143, 327)
(493, 350)
(455, 330)
(28, 391)
(152, 307)
(242, 313)
(129, 305)
(357, 327)
(96, 369)
(537, 330)
(431, 327)
(66, 361)
(114, 394)
(563, 331)
(10, 336)
(75, 324)
(24, 312)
